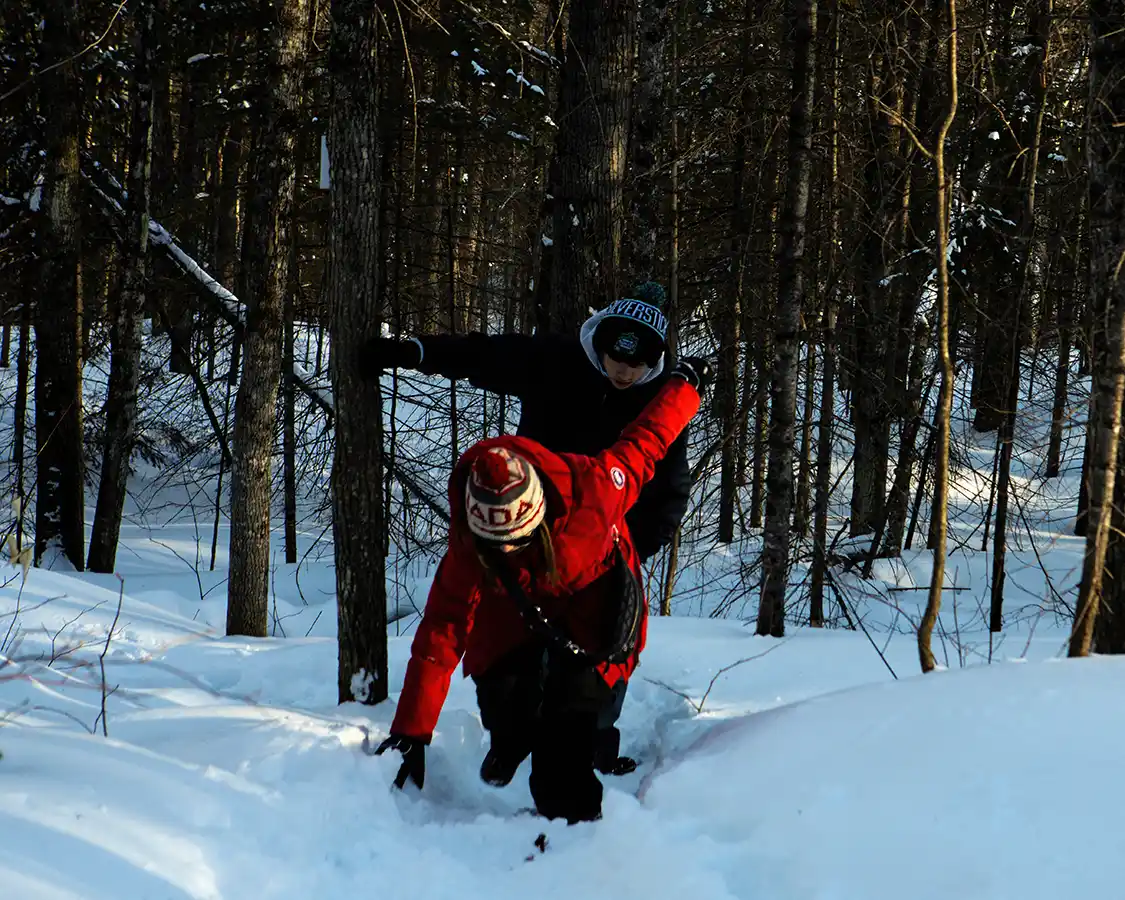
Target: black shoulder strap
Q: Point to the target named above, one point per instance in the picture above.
(531, 613)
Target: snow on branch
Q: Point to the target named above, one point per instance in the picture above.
(159, 235)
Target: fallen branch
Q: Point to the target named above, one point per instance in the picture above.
(698, 707)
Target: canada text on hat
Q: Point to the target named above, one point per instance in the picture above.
(639, 311)
(504, 498)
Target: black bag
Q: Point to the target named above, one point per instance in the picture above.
(625, 624)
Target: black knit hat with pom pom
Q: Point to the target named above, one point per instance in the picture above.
(634, 329)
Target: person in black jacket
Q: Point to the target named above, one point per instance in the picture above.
(576, 393)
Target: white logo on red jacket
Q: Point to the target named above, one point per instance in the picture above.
(618, 478)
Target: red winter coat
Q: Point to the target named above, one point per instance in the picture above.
(469, 614)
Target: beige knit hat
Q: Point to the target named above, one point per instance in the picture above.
(504, 498)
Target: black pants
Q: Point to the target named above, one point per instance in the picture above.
(537, 701)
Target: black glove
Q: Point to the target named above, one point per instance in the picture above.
(378, 354)
(413, 752)
(696, 371)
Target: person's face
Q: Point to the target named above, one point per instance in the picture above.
(621, 374)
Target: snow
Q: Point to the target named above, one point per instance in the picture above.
(818, 765)
(228, 771)
(520, 79)
(159, 235)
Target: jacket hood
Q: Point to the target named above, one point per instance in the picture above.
(586, 336)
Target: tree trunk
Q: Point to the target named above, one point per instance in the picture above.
(646, 144)
(128, 312)
(266, 261)
(289, 405)
(353, 279)
(827, 413)
(871, 348)
(1041, 29)
(728, 320)
(1062, 381)
(898, 501)
(590, 150)
(1105, 158)
(804, 467)
(59, 507)
(945, 398)
(23, 380)
(790, 297)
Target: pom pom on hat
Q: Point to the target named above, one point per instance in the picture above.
(651, 293)
(504, 500)
(490, 470)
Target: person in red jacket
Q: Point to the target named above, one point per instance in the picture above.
(539, 591)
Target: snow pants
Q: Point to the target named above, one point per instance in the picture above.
(536, 701)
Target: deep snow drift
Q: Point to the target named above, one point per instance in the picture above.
(804, 772)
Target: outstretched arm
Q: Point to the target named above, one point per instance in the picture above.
(437, 648)
(657, 514)
(514, 364)
(630, 462)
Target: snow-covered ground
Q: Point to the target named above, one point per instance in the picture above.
(146, 755)
(805, 770)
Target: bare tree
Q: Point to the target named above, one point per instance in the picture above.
(790, 297)
(590, 157)
(1105, 157)
(945, 398)
(128, 310)
(1040, 34)
(60, 497)
(353, 279)
(266, 255)
(819, 566)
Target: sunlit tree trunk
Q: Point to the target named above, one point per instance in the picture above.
(1101, 609)
(945, 398)
(266, 256)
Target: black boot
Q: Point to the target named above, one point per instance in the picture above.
(621, 765)
(498, 768)
(607, 759)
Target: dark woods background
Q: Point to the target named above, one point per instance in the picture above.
(506, 166)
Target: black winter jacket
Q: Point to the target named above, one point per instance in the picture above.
(569, 406)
